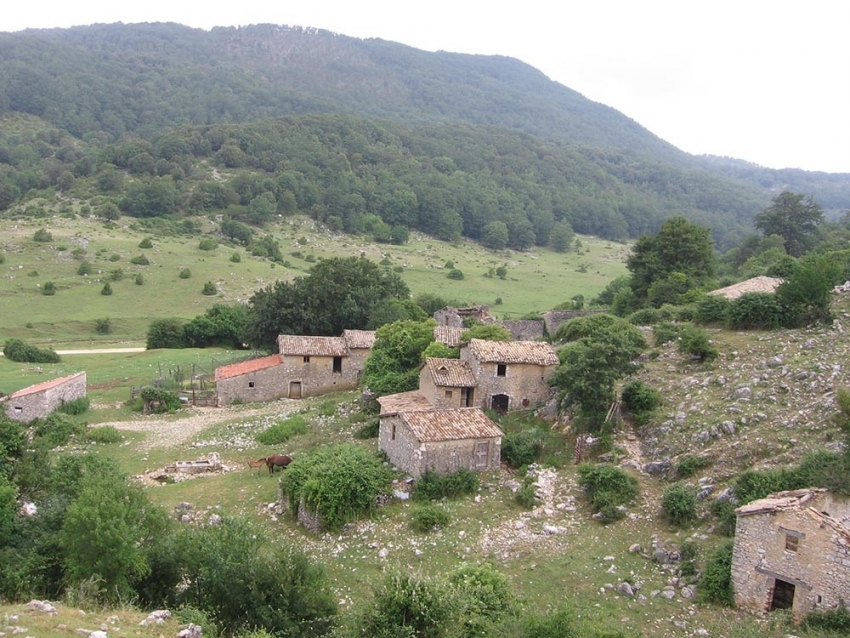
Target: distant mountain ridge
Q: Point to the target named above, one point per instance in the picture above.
(110, 82)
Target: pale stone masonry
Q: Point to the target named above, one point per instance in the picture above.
(39, 400)
(417, 439)
(255, 380)
(792, 551)
(447, 383)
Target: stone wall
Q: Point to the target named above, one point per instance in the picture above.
(445, 457)
(437, 394)
(819, 567)
(317, 375)
(525, 384)
(554, 319)
(400, 444)
(267, 384)
(37, 405)
(524, 329)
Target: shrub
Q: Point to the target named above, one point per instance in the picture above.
(185, 273)
(21, 352)
(235, 258)
(405, 606)
(724, 512)
(689, 465)
(454, 273)
(209, 289)
(369, 430)
(645, 317)
(116, 274)
(679, 503)
(526, 495)
(695, 342)
(42, 235)
(341, 482)
(432, 486)
(75, 406)
(102, 326)
(754, 311)
(106, 290)
(165, 333)
(85, 268)
(831, 620)
(606, 487)
(665, 332)
(104, 434)
(207, 243)
(716, 583)
(282, 431)
(587, 326)
(712, 309)
(483, 596)
(521, 448)
(641, 400)
(114, 257)
(55, 430)
(146, 243)
(429, 518)
(48, 289)
(160, 400)
(140, 260)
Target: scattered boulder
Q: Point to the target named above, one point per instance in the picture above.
(42, 605)
(626, 589)
(191, 631)
(157, 617)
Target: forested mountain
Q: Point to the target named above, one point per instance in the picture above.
(344, 128)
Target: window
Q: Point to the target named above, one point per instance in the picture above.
(448, 394)
(337, 365)
(393, 432)
(250, 384)
(501, 369)
(306, 358)
(792, 543)
(18, 409)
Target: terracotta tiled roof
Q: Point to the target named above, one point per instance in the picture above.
(450, 425)
(756, 284)
(792, 499)
(359, 338)
(536, 352)
(448, 335)
(45, 385)
(312, 346)
(452, 373)
(235, 369)
(403, 402)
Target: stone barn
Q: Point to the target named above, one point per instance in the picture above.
(443, 441)
(39, 400)
(447, 383)
(255, 380)
(510, 375)
(792, 551)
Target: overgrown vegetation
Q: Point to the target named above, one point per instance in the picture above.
(22, 352)
(607, 489)
(434, 487)
(283, 430)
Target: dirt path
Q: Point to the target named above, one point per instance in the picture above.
(163, 431)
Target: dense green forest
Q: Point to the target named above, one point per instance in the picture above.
(364, 135)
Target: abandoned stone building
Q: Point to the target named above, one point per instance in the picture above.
(448, 335)
(39, 400)
(454, 317)
(255, 380)
(417, 438)
(510, 375)
(447, 383)
(792, 551)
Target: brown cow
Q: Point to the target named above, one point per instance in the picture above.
(277, 460)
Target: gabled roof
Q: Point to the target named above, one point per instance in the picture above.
(359, 338)
(312, 346)
(534, 352)
(756, 284)
(448, 335)
(781, 501)
(403, 402)
(450, 373)
(244, 367)
(45, 385)
(450, 425)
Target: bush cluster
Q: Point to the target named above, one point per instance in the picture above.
(679, 503)
(641, 400)
(520, 448)
(21, 352)
(75, 406)
(284, 430)
(716, 582)
(428, 518)
(607, 488)
(104, 434)
(433, 487)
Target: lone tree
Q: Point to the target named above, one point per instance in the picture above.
(793, 217)
(664, 266)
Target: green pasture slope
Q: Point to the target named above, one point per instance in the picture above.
(536, 280)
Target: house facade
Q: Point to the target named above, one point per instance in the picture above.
(447, 383)
(443, 441)
(39, 400)
(316, 365)
(510, 375)
(255, 380)
(792, 551)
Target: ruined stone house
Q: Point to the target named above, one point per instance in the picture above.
(418, 438)
(39, 400)
(510, 375)
(448, 335)
(454, 317)
(447, 383)
(792, 551)
(255, 380)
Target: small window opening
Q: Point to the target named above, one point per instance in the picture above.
(250, 384)
(337, 364)
(18, 409)
(393, 436)
(501, 369)
(306, 358)
(448, 394)
(792, 543)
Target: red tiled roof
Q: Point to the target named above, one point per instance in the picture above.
(452, 373)
(448, 335)
(236, 369)
(450, 425)
(359, 338)
(45, 385)
(312, 346)
(403, 402)
(535, 352)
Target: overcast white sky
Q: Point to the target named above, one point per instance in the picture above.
(760, 80)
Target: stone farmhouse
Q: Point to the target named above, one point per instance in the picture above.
(447, 383)
(305, 366)
(510, 375)
(417, 438)
(39, 400)
(792, 551)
